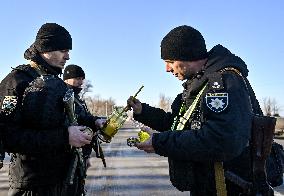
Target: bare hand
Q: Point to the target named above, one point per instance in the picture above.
(77, 138)
(148, 130)
(135, 104)
(100, 123)
(146, 146)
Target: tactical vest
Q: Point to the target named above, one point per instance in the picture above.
(41, 107)
(42, 102)
(181, 172)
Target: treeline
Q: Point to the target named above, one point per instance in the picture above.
(99, 106)
(104, 107)
(271, 107)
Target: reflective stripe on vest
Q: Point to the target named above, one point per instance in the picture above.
(183, 119)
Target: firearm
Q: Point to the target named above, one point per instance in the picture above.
(263, 128)
(96, 145)
(77, 158)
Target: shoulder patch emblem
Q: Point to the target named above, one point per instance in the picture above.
(217, 102)
(9, 104)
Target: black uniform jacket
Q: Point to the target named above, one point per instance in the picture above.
(225, 129)
(40, 155)
(85, 118)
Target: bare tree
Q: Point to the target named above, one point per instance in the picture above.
(109, 104)
(92, 104)
(275, 108)
(165, 103)
(270, 107)
(87, 87)
(98, 106)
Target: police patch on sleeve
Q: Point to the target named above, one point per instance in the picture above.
(217, 102)
(9, 104)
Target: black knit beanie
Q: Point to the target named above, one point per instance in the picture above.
(52, 37)
(73, 71)
(183, 43)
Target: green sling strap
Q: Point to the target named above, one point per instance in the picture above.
(183, 119)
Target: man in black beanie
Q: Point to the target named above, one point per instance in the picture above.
(36, 131)
(208, 130)
(74, 77)
(74, 71)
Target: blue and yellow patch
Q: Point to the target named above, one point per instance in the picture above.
(217, 102)
(9, 104)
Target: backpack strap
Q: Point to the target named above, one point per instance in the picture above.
(261, 141)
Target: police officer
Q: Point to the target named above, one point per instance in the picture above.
(208, 130)
(32, 112)
(74, 77)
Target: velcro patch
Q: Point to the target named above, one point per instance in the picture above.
(215, 81)
(217, 102)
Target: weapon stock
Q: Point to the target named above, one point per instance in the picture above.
(246, 186)
(263, 128)
(102, 156)
(98, 150)
(262, 137)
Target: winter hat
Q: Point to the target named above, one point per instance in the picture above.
(73, 71)
(52, 37)
(183, 43)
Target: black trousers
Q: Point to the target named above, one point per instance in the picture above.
(55, 190)
(50, 190)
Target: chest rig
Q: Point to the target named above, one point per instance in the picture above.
(184, 115)
(193, 114)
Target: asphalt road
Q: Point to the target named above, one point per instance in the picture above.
(128, 172)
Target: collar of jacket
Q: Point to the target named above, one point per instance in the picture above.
(193, 86)
(43, 69)
(38, 68)
(220, 57)
(76, 90)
